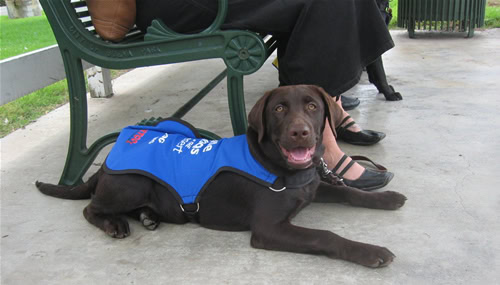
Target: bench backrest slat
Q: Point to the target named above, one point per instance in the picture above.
(77, 4)
(83, 14)
(87, 24)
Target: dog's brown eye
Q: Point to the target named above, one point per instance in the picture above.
(311, 106)
(279, 108)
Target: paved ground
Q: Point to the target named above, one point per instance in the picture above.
(443, 144)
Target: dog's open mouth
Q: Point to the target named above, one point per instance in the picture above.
(299, 157)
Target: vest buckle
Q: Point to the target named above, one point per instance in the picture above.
(189, 208)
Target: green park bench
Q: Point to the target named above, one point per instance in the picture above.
(243, 52)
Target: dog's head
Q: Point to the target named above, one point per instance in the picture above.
(292, 119)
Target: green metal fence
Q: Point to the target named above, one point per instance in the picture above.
(443, 15)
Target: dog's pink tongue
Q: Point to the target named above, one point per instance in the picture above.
(300, 153)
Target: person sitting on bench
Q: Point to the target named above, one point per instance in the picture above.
(322, 42)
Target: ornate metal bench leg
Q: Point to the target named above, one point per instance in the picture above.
(79, 158)
(78, 119)
(236, 101)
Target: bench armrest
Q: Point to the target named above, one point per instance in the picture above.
(158, 30)
(219, 20)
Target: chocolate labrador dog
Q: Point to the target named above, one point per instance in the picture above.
(284, 142)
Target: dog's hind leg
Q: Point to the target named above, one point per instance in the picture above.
(148, 218)
(115, 226)
(117, 196)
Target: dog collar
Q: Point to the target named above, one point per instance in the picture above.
(297, 180)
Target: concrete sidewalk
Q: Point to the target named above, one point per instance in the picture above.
(443, 144)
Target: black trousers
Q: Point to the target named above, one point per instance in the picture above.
(321, 42)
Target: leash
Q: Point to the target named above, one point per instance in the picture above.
(328, 175)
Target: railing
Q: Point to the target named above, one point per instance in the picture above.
(23, 74)
(444, 15)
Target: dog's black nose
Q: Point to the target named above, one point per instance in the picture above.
(299, 132)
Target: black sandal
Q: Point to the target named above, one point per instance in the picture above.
(369, 180)
(364, 137)
(349, 103)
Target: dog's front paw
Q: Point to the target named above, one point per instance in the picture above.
(370, 255)
(391, 95)
(116, 227)
(396, 96)
(387, 200)
(391, 200)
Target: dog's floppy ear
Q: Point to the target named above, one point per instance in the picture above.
(333, 112)
(256, 118)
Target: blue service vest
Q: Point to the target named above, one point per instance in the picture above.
(173, 154)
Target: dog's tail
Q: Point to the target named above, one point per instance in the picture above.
(79, 192)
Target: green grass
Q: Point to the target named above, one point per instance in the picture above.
(19, 113)
(492, 16)
(394, 6)
(19, 36)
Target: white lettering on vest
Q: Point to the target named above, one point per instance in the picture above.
(163, 138)
(209, 146)
(180, 145)
(196, 147)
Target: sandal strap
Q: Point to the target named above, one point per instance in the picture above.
(340, 129)
(348, 125)
(337, 166)
(346, 168)
(364, 158)
(354, 158)
(344, 120)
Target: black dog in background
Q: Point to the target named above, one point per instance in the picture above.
(285, 137)
(375, 70)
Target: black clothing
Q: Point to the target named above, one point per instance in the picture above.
(321, 42)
